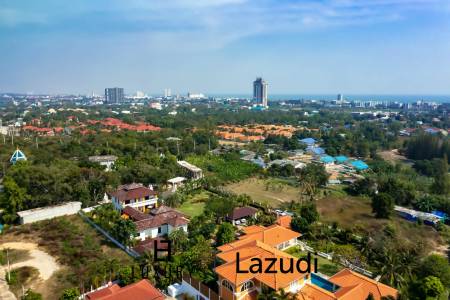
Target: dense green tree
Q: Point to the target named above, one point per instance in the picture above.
(382, 205)
(13, 199)
(433, 286)
(70, 294)
(437, 266)
(124, 231)
(225, 234)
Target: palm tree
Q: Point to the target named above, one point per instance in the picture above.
(283, 295)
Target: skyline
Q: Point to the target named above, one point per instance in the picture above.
(220, 46)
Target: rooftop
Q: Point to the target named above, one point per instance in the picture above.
(141, 290)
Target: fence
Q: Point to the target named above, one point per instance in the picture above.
(129, 251)
(200, 287)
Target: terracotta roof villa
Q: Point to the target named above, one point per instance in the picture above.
(261, 246)
(135, 195)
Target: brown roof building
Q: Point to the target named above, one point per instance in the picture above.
(135, 195)
(158, 222)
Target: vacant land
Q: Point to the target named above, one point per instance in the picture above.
(76, 248)
(350, 212)
(268, 191)
(324, 265)
(394, 156)
(195, 204)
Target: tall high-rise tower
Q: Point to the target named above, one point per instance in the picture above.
(114, 95)
(260, 91)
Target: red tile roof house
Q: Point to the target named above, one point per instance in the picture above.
(240, 213)
(141, 290)
(135, 195)
(159, 222)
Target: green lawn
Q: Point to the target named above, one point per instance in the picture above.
(324, 265)
(195, 204)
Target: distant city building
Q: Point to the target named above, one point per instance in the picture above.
(340, 97)
(260, 91)
(195, 96)
(114, 95)
(167, 93)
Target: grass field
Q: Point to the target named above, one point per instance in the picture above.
(350, 212)
(195, 204)
(265, 191)
(324, 265)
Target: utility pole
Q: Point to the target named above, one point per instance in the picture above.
(37, 144)
(9, 267)
(209, 144)
(194, 145)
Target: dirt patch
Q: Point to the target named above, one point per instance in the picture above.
(394, 156)
(43, 262)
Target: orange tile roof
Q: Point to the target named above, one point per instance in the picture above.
(141, 290)
(313, 292)
(272, 236)
(256, 249)
(347, 278)
(284, 221)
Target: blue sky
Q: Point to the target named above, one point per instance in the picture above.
(220, 46)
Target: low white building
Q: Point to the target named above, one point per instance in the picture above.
(175, 183)
(50, 212)
(104, 160)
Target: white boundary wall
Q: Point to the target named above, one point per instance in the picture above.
(45, 213)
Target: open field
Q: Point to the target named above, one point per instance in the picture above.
(265, 191)
(195, 204)
(394, 157)
(75, 249)
(324, 265)
(350, 212)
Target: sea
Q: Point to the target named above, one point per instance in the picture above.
(350, 97)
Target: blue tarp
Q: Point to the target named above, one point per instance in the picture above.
(327, 159)
(308, 141)
(341, 159)
(316, 150)
(439, 214)
(359, 165)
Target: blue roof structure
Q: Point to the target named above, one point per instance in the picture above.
(327, 159)
(341, 159)
(308, 141)
(259, 161)
(315, 150)
(439, 214)
(17, 156)
(359, 165)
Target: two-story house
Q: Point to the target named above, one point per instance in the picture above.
(237, 281)
(135, 195)
(158, 222)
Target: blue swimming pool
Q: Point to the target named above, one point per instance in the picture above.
(323, 283)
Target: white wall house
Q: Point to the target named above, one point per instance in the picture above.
(134, 195)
